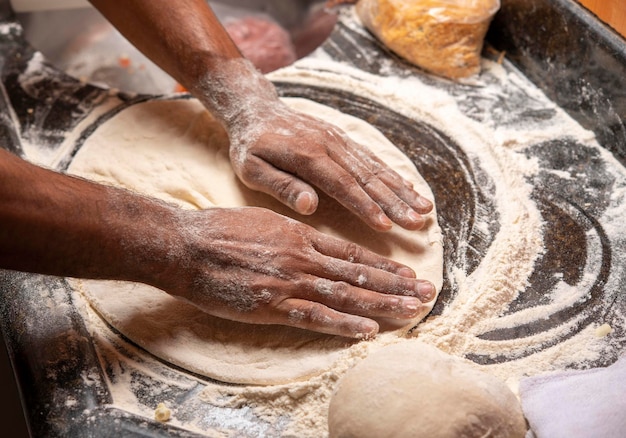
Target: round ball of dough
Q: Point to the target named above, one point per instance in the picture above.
(412, 389)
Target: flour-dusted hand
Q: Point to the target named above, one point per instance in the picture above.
(274, 149)
(253, 265)
(286, 154)
(246, 264)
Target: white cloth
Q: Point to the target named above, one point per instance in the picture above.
(577, 404)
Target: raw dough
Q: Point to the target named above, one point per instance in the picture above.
(162, 413)
(412, 389)
(174, 150)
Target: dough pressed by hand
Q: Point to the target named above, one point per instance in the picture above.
(174, 150)
(414, 390)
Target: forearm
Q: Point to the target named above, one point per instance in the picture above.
(56, 224)
(186, 39)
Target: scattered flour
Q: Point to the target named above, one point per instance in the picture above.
(483, 296)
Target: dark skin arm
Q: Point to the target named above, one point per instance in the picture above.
(57, 224)
(273, 148)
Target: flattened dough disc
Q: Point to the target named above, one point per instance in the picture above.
(174, 150)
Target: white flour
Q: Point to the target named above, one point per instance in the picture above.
(485, 294)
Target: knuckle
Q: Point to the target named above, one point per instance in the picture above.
(248, 171)
(284, 187)
(379, 170)
(315, 315)
(346, 182)
(341, 294)
(296, 316)
(353, 252)
(404, 287)
(368, 180)
(360, 275)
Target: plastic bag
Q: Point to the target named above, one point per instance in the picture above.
(444, 37)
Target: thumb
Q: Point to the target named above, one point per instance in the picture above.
(261, 176)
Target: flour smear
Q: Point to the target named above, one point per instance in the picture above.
(483, 297)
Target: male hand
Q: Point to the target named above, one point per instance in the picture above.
(253, 265)
(285, 154)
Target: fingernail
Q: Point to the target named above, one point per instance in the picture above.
(305, 203)
(415, 217)
(385, 221)
(426, 290)
(424, 203)
(368, 331)
(406, 272)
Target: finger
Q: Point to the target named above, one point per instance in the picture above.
(402, 187)
(346, 261)
(261, 176)
(344, 297)
(381, 281)
(334, 180)
(393, 205)
(346, 179)
(406, 192)
(351, 252)
(377, 280)
(390, 176)
(317, 317)
(339, 184)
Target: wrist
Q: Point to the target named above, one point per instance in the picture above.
(149, 241)
(235, 92)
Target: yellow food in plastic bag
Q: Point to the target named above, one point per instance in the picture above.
(444, 37)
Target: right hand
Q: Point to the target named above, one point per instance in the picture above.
(253, 265)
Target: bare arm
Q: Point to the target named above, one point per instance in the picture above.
(273, 149)
(183, 37)
(56, 224)
(287, 274)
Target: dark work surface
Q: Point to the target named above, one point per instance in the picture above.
(579, 63)
(14, 423)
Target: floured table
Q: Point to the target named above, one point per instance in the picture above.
(531, 208)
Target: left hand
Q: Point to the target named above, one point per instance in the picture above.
(273, 149)
(285, 153)
(253, 265)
